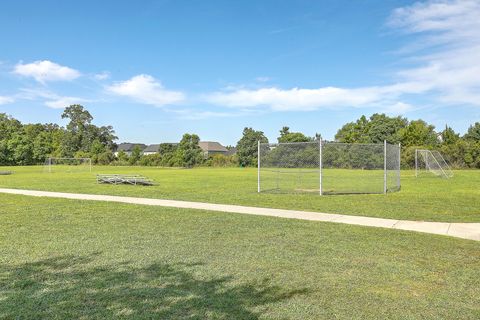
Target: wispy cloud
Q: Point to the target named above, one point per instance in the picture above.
(6, 100)
(451, 32)
(62, 102)
(294, 99)
(146, 89)
(45, 70)
(50, 99)
(399, 108)
(104, 75)
(190, 114)
(263, 79)
(449, 72)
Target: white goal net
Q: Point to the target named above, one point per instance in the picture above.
(328, 167)
(67, 165)
(431, 161)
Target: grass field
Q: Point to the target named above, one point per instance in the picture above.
(78, 259)
(427, 198)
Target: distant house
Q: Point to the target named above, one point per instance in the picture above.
(128, 148)
(210, 148)
(151, 149)
(231, 151)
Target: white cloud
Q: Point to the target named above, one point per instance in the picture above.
(189, 114)
(6, 100)
(450, 30)
(398, 108)
(102, 75)
(449, 72)
(50, 99)
(44, 71)
(263, 79)
(145, 89)
(296, 98)
(63, 102)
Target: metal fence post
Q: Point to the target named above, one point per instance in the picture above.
(399, 164)
(385, 166)
(416, 163)
(320, 164)
(258, 167)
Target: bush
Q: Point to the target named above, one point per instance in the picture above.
(221, 160)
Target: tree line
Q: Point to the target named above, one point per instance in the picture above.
(30, 144)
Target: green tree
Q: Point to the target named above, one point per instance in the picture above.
(449, 136)
(135, 156)
(354, 132)
(473, 133)
(10, 128)
(76, 128)
(375, 129)
(81, 133)
(418, 133)
(247, 147)
(188, 151)
(122, 157)
(287, 136)
(168, 154)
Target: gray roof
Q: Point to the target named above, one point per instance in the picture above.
(128, 147)
(212, 146)
(231, 151)
(152, 148)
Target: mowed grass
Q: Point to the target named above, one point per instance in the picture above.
(425, 198)
(83, 260)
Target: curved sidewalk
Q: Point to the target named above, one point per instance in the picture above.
(460, 230)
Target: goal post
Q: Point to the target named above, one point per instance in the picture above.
(324, 167)
(431, 161)
(66, 164)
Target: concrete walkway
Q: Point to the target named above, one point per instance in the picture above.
(460, 230)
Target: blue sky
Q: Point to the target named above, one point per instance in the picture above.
(157, 69)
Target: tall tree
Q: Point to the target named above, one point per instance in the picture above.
(189, 152)
(81, 133)
(10, 130)
(375, 129)
(418, 133)
(449, 136)
(473, 133)
(76, 133)
(247, 146)
(135, 156)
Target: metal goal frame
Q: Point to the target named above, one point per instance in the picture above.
(50, 161)
(434, 163)
(324, 159)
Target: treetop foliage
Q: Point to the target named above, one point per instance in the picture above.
(247, 147)
(287, 136)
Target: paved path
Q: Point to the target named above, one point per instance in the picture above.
(460, 230)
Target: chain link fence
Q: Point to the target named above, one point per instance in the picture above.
(328, 167)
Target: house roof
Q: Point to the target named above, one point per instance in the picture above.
(212, 146)
(152, 148)
(127, 146)
(231, 151)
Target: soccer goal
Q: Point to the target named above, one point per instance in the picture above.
(67, 165)
(328, 167)
(431, 161)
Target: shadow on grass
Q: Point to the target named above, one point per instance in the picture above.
(70, 287)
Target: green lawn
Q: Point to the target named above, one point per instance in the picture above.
(427, 198)
(78, 259)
